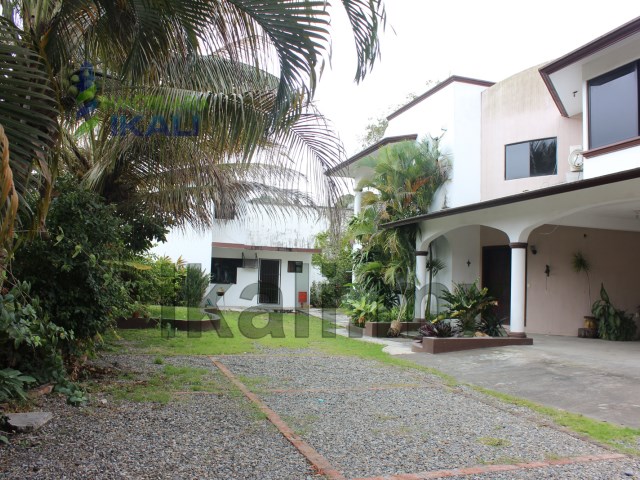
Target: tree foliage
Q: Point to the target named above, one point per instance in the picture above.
(75, 271)
(247, 70)
(405, 179)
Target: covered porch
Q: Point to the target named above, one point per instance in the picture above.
(538, 232)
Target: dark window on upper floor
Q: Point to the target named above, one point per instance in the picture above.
(613, 106)
(534, 158)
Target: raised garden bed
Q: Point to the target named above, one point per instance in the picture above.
(380, 329)
(182, 325)
(455, 344)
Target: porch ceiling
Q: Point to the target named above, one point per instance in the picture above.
(608, 202)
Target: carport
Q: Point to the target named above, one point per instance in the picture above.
(609, 206)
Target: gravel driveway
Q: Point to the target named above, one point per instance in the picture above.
(364, 418)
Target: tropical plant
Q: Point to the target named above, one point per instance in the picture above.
(68, 67)
(196, 281)
(326, 294)
(363, 307)
(467, 304)
(579, 263)
(406, 177)
(613, 324)
(441, 328)
(29, 342)
(434, 266)
(491, 325)
(12, 384)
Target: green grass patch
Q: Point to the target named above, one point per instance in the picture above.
(162, 387)
(494, 442)
(280, 333)
(177, 313)
(623, 439)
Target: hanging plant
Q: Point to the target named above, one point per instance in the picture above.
(580, 264)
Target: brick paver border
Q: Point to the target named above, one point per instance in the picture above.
(483, 469)
(324, 467)
(319, 463)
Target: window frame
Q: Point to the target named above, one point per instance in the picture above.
(555, 172)
(294, 266)
(636, 64)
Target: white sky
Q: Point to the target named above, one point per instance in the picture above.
(431, 40)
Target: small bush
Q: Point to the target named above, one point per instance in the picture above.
(613, 324)
(325, 295)
(12, 384)
(438, 328)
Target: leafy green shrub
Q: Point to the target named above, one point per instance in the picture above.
(362, 308)
(467, 303)
(12, 384)
(491, 325)
(325, 294)
(195, 285)
(29, 342)
(613, 324)
(75, 270)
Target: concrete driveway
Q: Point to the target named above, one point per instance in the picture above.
(597, 378)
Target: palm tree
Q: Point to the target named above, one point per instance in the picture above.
(203, 58)
(406, 177)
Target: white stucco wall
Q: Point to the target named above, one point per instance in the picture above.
(626, 159)
(287, 228)
(247, 279)
(453, 114)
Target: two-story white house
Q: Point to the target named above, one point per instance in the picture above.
(257, 260)
(545, 164)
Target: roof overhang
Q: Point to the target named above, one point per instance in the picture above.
(522, 198)
(436, 89)
(343, 170)
(242, 246)
(564, 77)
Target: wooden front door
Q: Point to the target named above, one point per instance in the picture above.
(496, 277)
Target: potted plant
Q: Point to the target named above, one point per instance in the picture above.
(613, 324)
(580, 264)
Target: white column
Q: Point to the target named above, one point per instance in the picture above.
(421, 283)
(357, 201)
(518, 288)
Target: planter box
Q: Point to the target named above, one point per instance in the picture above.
(355, 332)
(138, 322)
(454, 344)
(193, 325)
(380, 329)
(182, 325)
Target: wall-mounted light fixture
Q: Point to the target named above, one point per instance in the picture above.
(468, 263)
(533, 248)
(547, 270)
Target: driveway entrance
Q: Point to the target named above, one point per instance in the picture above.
(596, 378)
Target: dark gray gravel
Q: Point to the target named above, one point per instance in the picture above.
(366, 430)
(200, 436)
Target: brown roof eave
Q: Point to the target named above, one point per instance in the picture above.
(369, 150)
(522, 197)
(437, 88)
(600, 43)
